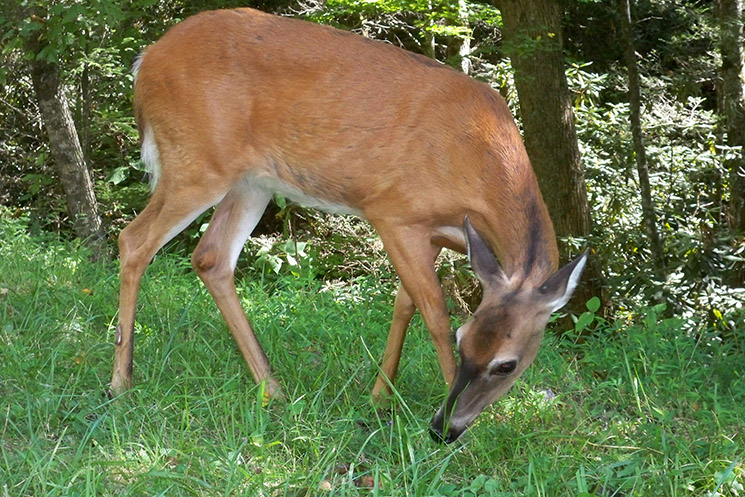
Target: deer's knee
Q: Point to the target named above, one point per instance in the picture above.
(208, 265)
(129, 241)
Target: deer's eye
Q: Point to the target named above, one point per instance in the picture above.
(503, 368)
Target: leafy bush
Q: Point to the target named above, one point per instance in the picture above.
(687, 174)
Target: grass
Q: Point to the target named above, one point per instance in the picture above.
(650, 407)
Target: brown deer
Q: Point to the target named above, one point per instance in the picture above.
(235, 105)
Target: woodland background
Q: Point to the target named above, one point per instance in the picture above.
(645, 166)
(633, 113)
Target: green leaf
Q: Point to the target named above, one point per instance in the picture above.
(593, 304)
(491, 485)
(477, 483)
(118, 175)
(138, 165)
(584, 320)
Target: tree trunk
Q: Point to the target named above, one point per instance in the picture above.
(648, 213)
(68, 156)
(459, 48)
(733, 110)
(532, 33)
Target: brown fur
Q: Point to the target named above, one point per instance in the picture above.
(236, 98)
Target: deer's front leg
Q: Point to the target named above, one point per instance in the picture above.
(412, 254)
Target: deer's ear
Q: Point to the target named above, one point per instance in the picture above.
(482, 260)
(558, 288)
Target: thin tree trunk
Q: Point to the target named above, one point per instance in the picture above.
(648, 213)
(68, 156)
(459, 48)
(85, 113)
(532, 32)
(733, 110)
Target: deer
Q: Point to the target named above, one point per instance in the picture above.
(234, 106)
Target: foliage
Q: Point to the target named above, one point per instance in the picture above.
(687, 181)
(91, 44)
(96, 42)
(422, 26)
(644, 406)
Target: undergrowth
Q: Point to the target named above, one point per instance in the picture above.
(648, 406)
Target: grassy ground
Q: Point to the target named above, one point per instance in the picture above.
(638, 409)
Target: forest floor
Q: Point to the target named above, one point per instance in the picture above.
(653, 406)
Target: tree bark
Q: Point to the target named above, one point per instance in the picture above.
(459, 48)
(733, 109)
(648, 213)
(533, 40)
(68, 156)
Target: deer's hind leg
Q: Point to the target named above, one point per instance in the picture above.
(166, 215)
(214, 260)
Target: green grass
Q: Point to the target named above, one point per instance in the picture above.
(653, 407)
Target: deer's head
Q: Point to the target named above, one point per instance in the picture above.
(502, 337)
